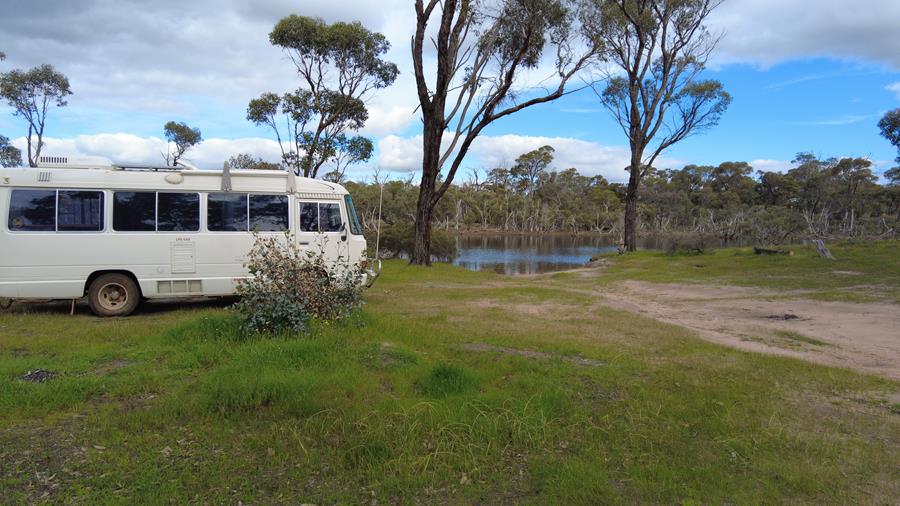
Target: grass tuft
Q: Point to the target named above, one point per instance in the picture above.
(444, 380)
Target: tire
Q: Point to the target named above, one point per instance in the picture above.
(113, 295)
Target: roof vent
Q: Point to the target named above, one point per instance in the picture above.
(44, 176)
(55, 160)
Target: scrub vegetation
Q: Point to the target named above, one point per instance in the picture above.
(459, 387)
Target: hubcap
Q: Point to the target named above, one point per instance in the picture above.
(113, 296)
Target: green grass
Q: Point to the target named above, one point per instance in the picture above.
(862, 272)
(174, 406)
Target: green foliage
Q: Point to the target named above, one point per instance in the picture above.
(288, 287)
(397, 241)
(889, 125)
(31, 94)
(10, 156)
(833, 197)
(184, 138)
(244, 161)
(340, 65)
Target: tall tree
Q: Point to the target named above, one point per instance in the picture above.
(481, 50)
(10, 156)
(890, 129)
(340, 66)
(657, 50)
(183, 137)
(31, 94)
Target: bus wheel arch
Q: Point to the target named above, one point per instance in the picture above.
(113, 293)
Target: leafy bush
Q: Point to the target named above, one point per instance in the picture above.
(288, 287)
(397, 241)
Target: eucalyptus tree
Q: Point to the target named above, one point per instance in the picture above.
(479, 51)
(183, 137)
(10, 156)
(889, 125)
(31, 94)
(340, 66)
(657, 50)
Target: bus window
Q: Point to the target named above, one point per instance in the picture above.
(134, 211)
(309, 217)
(178, 212)
(330, 217)
(226, 212)
(79, 211)
(355, 227)
(32, 210)
(268, 213)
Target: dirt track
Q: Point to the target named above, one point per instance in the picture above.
(864, 337)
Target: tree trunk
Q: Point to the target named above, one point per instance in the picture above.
(431, 169)
(421, 254)
(631, 205)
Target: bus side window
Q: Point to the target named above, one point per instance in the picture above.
(32, 210)
(79, 211)
(309, 217)
(134, 211)
(178, 212)
(268, 213)
(226, 212)
(330, 217)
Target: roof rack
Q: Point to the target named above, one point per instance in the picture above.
(154, 168)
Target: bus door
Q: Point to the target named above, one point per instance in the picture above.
(323, 230)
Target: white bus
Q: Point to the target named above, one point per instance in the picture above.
(120, 234)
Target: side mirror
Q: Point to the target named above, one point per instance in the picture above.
(343, 232)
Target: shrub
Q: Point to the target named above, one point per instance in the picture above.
(397, 240)
(288, 287)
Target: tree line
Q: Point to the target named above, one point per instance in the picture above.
(643, 59)
(815, 198)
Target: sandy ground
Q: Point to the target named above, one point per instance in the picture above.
(864, 337)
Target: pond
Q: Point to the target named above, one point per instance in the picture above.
(529, 254)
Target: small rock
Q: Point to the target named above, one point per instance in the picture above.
(38, 376)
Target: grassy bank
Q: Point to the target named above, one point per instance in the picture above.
(455, 387)
(862, 272)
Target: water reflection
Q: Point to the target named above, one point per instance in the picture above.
(529, 254)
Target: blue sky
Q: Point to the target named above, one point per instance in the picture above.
(820, 88)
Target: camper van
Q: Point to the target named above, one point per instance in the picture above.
(119, 234)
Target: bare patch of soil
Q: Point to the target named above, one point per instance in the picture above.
(864, 337)
(113, 366)
(544, 309)
(481, 347)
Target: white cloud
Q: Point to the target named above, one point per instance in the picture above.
(127, 148)
(771, 165)
(384, 121)
(894, 88)
(400, 154)
(767, 32)
(404, 154)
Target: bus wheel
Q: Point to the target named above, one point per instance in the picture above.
(113, 295)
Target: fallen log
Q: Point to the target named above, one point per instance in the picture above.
(766, 251)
